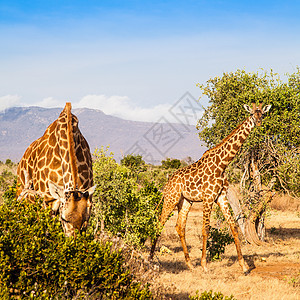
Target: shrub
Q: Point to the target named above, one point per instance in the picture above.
(217, 241)
(124, 208)
(38, 261)
(209, 296)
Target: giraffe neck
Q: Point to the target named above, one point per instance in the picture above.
(229, 147)
(67, 149)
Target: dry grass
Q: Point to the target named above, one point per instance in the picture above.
(275, 265)
(285, 202)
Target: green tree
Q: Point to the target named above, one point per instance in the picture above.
(9, 163)
(134, 162)
(171, 163)
(270, 149)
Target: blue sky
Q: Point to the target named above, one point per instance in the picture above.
(134, 59)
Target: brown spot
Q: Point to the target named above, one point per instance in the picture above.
(85, 174)
(42, 186)
(205, 185)
(217, 160)
(55, 163)
(222, 165)
(64, 144)
(52, 140)
(48, 157)
(212, 168)
(46, 172)
(80, 156)
(41, 163)
(196, 178)
(194, 193)
(53, 176)
(62, 119)
(67, 156)
(235, 147)
(218, 172)
(63, 134)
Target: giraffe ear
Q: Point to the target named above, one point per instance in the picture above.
(91, 190)
(266, 108)
(248, 108)
(55, 190)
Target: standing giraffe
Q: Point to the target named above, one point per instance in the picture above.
(58, 166)
(205, 181)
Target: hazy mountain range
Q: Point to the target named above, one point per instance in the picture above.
(20, 126)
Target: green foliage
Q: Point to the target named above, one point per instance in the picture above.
(38, 261)
(134, 162)
(209, 296)
(171, 163)
(9, 163)
(217, 241)
(228, 94)
(269, 144)
(127, 210)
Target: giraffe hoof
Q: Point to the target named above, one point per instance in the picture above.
(190, 266)
(205, 269)
(246, 272)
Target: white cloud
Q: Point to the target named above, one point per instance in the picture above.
(49, 102)
(9, 101)
(120, 106)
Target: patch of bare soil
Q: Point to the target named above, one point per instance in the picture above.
(275, 266)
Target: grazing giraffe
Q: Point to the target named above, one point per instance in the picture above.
(58, 166)
(205, 181)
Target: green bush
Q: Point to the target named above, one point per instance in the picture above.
(134, 162)
(209, 296)
(217, 241)
(124, 208)
(38, 261)
(171, 163)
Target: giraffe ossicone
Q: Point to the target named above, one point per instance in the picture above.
(58, 166)
(205, 181)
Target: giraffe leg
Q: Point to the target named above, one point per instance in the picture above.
(224, 206)
(207, 206)
(183, 210)
(168, 207)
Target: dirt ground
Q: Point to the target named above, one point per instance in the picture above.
(275, 265)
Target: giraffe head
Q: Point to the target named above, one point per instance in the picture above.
(74, 207)
(257, 112)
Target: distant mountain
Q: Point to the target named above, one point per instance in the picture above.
(20, 126)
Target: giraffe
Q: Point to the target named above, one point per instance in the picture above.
(205, 181)
(58, 166)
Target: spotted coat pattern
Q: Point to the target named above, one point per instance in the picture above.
(205, 181)
(61, 156)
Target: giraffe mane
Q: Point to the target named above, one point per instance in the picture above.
(227, 137)
(71, 144)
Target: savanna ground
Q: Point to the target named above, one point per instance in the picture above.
(275, 265)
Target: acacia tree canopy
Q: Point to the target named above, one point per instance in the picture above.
(228, 94)
(276, 141)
